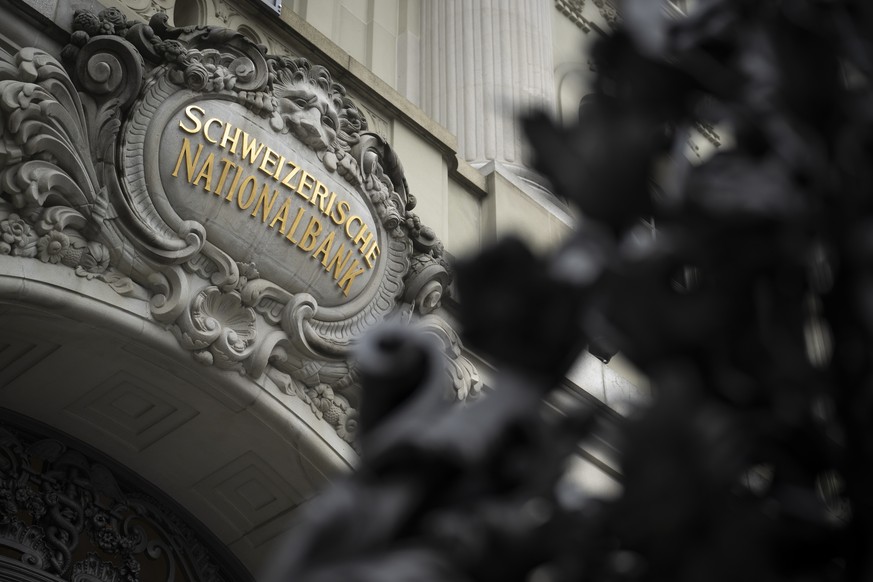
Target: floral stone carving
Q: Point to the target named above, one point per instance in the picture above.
(68, 516)
(239, 193)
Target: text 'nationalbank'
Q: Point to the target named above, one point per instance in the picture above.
(252, 179)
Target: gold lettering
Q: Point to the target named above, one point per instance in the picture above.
(313, 229)
(371, 255)
(239, 199)
(290, 176)
(189, 111)
(352, 219)
(223, 177)
(206, 129)
(338, 260)
(330, 203)
(279, 167)
(320, 192)
(293, 229)
(282, 215)
(262, 202)
(335, 264)
(363, 241)
(341, 211)
(304, 185)
(270, 159)
(206, 173)
(233, 184)
(249, 151)
(233, 140)
(190, 165)
(324, 248)
(346, 282)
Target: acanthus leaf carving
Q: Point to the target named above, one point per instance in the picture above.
(61, 508)
(75, 193)
(47, 170)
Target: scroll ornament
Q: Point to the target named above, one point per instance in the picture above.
(56, 521)
(75, 192)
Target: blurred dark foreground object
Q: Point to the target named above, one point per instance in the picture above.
(750, 309)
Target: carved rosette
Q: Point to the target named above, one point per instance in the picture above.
(86, 184)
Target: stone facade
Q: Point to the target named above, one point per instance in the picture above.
(204, 204)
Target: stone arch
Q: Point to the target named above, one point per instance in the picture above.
(123, 526)
(92, 365)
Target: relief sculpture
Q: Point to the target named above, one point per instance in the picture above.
(68, 516)
(240, 194)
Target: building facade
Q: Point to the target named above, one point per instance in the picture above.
(204, 204)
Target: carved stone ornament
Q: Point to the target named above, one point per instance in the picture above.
(574, 11)
(68, 517)
(239, 193)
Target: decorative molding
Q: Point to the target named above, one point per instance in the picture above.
(18, 356)
(326, 402)
(247, 492)
(81, 189)
(67, 517)
(52, 196)
(132, 410)
(573, 10)
(224, 11)
(145, 8)
(218, 328)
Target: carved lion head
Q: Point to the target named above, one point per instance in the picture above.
(314, 108)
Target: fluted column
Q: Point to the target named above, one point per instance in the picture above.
(484, 63)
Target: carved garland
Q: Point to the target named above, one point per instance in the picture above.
(65, 515)
(74, 193)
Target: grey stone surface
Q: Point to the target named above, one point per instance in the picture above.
(44, 7)
(26, 24)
